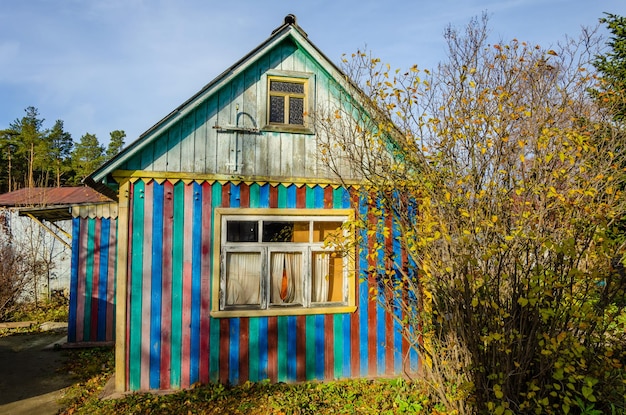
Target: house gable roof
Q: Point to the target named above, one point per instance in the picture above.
(288, 31)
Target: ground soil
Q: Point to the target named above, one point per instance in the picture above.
(30, 372)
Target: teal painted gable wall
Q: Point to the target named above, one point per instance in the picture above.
(192, 144)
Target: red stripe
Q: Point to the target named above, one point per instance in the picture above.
(95, 280)
(329, 347)
(244, 349)
(226, 195)
(205, 304)
(187, 256)
(301, 348)
(224, 349)
(110, 314)
(301, 197)
(244, 195)
(272, 347)
(273, 196)
(166, 285)
(328, 197)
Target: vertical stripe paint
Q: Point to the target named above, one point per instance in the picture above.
(156, 301)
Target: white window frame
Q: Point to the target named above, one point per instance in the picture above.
(222, 247)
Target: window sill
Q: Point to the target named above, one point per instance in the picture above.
(286, 128)
(283, 312)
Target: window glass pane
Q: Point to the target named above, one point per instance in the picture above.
(242, 231)
(243, 278)
(277, 109)
(290, 87)
(286, 278)
(326, 231)
(296, 111)
(327, 277)
(285, 231)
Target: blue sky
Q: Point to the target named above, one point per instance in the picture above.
(103, 65)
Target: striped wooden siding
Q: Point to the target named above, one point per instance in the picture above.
(171, 340)
(92, 281)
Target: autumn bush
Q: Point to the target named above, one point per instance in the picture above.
(502, 178)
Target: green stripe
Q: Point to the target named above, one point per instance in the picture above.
(177, 283)
(282, 196)
(91, 230)
(253, 351)
(338, 198)
(281, 353)
(134, 365)
(254, 195)
(214, 340)
(310, 198)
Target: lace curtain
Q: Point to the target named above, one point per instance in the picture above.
(243, 279)
(286, 278)
(321, 270)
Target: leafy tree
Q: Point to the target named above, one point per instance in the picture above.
(492, 174)
(87, 156)
(612, 67)
(115, 144)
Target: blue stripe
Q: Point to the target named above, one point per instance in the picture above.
(319, 197)
(319, 347)
(233, 353)
(397, 327)
(263, 349)
(291, 196)
(71, 327)
(196, 278)
(157, 275)
(235, 195)
(291, 348)
(104, 278)
(363, 306)
(381, 338)
(264, 196)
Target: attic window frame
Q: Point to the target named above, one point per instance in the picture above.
(304, 78)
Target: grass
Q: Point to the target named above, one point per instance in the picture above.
(93, 367)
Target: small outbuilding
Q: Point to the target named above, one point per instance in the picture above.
(225, 211)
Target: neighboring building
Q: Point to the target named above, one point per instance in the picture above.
(76, 230)
(223, 210)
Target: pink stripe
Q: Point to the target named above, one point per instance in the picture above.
(82, 272)
(146, 286)
(205, 305)
(166, 285)
(187, 252)
(95, 280)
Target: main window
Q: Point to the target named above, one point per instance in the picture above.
(283, 263)
(287, 100)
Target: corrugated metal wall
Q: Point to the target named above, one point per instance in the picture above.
(171, 340)
(92, 281)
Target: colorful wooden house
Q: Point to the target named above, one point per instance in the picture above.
(224, 207)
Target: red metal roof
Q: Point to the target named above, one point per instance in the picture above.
(51, 196)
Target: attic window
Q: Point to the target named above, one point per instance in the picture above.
(287, 100)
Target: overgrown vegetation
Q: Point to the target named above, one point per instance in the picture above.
(93, 367)
(502, 177)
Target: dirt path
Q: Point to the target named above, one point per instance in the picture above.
(30, 379)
